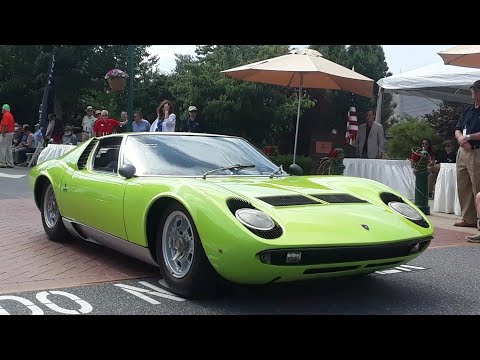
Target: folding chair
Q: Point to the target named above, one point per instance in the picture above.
(35, 155)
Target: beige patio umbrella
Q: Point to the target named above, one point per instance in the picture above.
(303, 68)
(462, 55)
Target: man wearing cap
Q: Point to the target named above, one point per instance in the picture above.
(37, 136)
(467, 133)
(7, 128)
(87, 123)
(194, 124)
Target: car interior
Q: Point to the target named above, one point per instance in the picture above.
(106, 156)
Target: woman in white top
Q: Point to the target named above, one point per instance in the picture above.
(165, 118)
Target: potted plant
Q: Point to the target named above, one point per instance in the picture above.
(117, 79)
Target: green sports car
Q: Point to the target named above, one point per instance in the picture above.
(207, 208)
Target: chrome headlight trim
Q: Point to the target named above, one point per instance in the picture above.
(405, 210)
(253, 218)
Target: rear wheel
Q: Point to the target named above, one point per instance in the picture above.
(51, 218)
(180, 255)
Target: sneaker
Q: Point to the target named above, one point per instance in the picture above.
(473, 238)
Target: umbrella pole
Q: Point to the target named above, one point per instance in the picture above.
(298, 117)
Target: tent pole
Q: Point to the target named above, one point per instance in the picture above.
(298, 116)
(378, 113)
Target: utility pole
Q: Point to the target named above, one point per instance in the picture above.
(130, 87)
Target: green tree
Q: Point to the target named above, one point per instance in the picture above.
(253, 110)
(368, 60)
(445, 118)
(407, 134)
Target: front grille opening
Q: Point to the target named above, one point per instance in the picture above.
(288, 200)
(345, 254)
(330, 270)
(339, 198)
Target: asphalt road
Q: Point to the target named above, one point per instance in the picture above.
(14, 183)
(446, 281)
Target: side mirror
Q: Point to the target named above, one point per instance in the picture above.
(296, 170)
(127, 171)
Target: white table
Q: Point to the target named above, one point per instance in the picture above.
(446, 194)
(397, 174)
(53, 151)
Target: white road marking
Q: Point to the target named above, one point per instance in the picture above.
(85, 307)
(399, 269)
(11, 176)
(159, 292)
(31, 306)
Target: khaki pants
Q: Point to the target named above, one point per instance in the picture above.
(6, 157)
(468, 182)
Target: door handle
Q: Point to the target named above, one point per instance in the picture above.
(65, 188)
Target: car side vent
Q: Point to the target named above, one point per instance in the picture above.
(287, 200)
(339, 198)
(237, 203)
(82, 161)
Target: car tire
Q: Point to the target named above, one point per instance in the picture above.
(51, 217)
(190, 275)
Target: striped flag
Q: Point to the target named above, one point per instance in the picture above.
(352, 125)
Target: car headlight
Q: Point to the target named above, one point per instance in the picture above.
(254, 219)
(405, 210)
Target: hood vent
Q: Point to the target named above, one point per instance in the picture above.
(339, 198)
(287, 200)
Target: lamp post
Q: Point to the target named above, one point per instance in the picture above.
(130, 87)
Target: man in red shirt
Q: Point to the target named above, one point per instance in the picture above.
(105, 125)
(7, 128)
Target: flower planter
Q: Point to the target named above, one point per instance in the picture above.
(117, 84)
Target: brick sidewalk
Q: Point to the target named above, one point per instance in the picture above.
(29, 261)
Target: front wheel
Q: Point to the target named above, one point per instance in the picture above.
(51, 218)
(180, 255)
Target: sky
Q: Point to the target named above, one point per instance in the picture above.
(400, 58)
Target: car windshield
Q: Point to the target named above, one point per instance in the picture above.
(193, 155)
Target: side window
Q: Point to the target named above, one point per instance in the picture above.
(106, 156)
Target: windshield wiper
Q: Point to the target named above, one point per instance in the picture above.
(278, 171)
(235, 167)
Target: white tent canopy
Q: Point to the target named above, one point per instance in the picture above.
(436, 81)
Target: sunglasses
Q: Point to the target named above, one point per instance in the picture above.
(98, 114)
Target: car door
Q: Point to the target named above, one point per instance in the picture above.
(93, 195)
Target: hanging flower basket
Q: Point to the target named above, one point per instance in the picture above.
(117, 84)
(117, 79)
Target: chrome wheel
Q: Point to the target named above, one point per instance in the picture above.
(178, 244)
(50, 208)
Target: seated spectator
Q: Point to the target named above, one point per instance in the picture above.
(446, 156)
(37, 136)
(27, 145)
(68, 137)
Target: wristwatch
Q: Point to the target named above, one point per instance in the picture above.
(468, 137)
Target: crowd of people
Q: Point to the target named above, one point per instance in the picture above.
(19, 140)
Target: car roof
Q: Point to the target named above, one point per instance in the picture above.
(176, 133)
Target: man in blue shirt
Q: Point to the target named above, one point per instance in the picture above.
(139, 123)
(194, 124)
